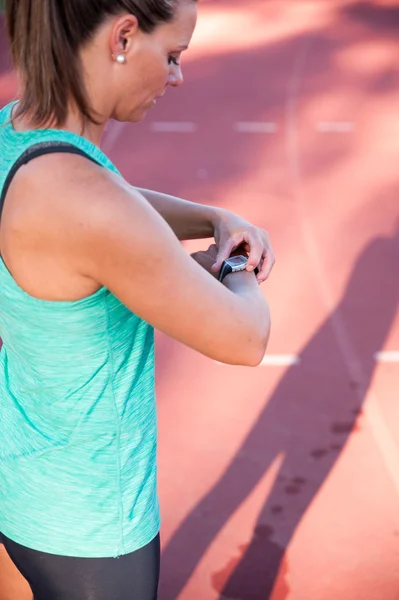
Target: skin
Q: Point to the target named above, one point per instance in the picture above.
(12, 585)
(70, 227)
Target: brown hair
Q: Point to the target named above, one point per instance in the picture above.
(45, 37)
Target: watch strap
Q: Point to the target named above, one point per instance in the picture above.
(226, 269)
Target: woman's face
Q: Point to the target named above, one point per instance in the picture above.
(152, 63)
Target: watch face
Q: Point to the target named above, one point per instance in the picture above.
(237, 261)
(233, 265)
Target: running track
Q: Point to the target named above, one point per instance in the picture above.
(282, 482)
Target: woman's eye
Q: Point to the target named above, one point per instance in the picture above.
(173, 61)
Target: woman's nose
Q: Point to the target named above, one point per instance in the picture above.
(175, 76)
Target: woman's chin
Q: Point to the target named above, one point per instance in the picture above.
(139, 115)
(135, 116)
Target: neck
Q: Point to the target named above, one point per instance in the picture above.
(91, 131)
(74, 123)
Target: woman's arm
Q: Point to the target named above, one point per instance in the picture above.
(189, 221)
(108, 234)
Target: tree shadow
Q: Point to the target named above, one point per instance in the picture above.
(251, 84)
(308, 419)
(216, 155)
(374, 15)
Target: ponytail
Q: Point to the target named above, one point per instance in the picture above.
(46, 36)
(46, 61)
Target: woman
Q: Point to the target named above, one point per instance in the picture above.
(89, 265)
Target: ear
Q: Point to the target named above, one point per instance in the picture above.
(124, 31)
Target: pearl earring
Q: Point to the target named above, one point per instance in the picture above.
(121, 59)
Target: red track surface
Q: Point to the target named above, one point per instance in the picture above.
(282, 483)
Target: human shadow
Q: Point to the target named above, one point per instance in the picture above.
(307, 420)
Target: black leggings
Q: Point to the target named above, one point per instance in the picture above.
(131, 577)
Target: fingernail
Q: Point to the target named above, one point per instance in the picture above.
(250, 268)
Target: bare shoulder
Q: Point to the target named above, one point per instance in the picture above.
(88, 216)
(54, 204)
(62, 197)
(57, 182)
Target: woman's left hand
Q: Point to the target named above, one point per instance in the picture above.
(231, 231)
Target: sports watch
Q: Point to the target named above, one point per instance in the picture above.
(234, 264)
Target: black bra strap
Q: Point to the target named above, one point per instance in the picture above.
(33, 152)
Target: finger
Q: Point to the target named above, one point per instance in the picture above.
(256, 250)
(243, 248)
(224, 252)
(266, 266)
(212, 250)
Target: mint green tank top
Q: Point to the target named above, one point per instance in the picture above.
(78, 430)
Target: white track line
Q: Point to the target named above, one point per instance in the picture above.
(254, 127)
(173, 127)
(280, 360)
(291, 360)
(276, 360)
(335, 127)
(387, 357)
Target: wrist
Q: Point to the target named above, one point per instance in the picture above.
(235, 264)
(241, 281)
(217, 216)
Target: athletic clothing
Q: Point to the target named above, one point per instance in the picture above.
(134, 576)
(78, 431)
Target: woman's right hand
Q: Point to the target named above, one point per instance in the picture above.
(206, 259)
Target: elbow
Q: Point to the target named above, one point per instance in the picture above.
(250, 354)
(249, 347)
(259, 340)
(257, 351)
(255, 348)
